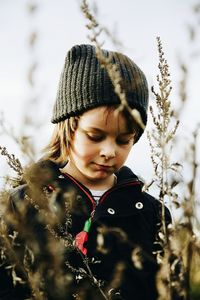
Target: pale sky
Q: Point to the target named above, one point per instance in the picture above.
(59, 25)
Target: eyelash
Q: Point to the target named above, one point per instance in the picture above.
(100, 138)
(95, 138)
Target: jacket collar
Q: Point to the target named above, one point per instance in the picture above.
(119, 197)
(124, 175)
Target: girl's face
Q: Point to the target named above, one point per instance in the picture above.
(100, 146)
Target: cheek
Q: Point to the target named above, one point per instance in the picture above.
(83, 149)
(123, 153)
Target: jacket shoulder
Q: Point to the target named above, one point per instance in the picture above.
(156, 205)
(37, 175)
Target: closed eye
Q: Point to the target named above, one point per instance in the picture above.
(94, 137)
(125, 142)
(122, 139)
(119, 141)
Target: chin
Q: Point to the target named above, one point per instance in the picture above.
(100, 176)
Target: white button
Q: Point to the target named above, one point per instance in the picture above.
(139, 205)
(111, 211)
(61, 176)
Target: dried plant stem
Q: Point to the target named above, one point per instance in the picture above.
(8, 244)
(162, 192)
(94, 280)
(163, 134)
(190, 215)
(111, 68)
(13, 162)
(66, 243)
(161, 145)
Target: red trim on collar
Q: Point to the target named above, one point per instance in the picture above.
(80, 186)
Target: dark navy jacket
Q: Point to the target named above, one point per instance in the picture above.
(124, 223)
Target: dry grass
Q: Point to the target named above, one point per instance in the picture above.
(179, 264)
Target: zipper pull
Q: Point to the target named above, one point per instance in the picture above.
(82, 237)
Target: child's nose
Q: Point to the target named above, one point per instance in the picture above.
(108, 150)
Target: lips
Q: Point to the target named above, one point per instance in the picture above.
(103, 167)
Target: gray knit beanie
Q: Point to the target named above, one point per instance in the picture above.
(84, 84)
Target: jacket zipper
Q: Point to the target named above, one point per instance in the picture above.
(82, 237)
(94, 205)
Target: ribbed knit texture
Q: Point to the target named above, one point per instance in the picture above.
(84, 84)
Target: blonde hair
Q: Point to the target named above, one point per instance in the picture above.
(58, 148)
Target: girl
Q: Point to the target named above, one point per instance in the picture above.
(112, 224)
